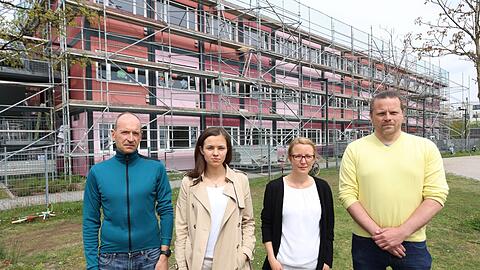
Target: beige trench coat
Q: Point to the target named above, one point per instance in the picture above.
(192, 225)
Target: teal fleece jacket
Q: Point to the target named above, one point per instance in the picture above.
(129, 189)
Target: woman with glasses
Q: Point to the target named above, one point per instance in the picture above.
(214, 222)
(297, 215)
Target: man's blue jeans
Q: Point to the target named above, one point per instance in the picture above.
(368, 256)
(139, 260)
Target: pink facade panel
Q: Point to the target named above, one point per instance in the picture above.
(175, 58)
(213, 102)
(313, 125)
(287, 80)
(253, 106)
(288, 125)
(222, 67)
(348, 114)
(226, 122)
(312, 111)
(287, 109)
(286, 36)
(177, 98)
(177, 120)
(334, 113)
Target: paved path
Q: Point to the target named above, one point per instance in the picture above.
(40, 199)
(468, 166)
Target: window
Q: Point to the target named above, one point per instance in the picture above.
(133, 6)
(312, 99)
(234, 134)
(264, 93)
(279, 45)
(379, 74)
(333, 102)
(177, 137)
(160, 10)
(121, 73)
(102, 71)
(176, 81)
(305, 53)
(163, 137)
(183, 82)
(390, 78)
(284, 136)
(220, 28)
(251, 36)
(104, 130)
(350, 134)
(364, 70)
(175, 14)
(288, 95)
(213, 86)
(144, 140)
(334, 61)
(313, 134)
(351, 66)
(257, 136)
(265, 40)
(318, 56)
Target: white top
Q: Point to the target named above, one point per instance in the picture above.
(218, 203)
(300, 242)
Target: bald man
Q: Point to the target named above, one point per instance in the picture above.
(122, 198)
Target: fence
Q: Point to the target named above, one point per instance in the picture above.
(36, 176)
(459, 144)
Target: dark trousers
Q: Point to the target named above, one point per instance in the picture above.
(367, 255)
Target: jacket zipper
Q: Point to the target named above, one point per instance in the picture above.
(128, 207)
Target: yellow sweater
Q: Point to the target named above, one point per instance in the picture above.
(392, 181)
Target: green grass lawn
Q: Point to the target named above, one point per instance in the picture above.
(453, 236)
(461, 154)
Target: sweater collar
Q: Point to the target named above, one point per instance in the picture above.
(122, 157)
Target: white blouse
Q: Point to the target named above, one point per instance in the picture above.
(218, 204)
(300, 241)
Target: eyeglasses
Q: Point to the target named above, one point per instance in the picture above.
(300, 157)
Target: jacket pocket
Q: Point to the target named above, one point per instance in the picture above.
(152, 254)
(105, 259)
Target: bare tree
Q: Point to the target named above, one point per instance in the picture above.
(456, 31)
(29, 27)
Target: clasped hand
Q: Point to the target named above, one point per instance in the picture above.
(391, 239)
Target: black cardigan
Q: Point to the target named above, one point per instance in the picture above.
(272, 219)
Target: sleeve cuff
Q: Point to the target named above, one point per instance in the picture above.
(248, 252)
(348, 202)
(165, 242)
(440, 200)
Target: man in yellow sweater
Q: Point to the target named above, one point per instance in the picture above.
(392, 184)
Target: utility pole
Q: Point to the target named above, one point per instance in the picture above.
(465, 131)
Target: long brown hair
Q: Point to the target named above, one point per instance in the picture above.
(200, 164)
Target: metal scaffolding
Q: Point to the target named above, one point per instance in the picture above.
(265, 71)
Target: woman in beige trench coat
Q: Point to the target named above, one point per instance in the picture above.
(214, 222)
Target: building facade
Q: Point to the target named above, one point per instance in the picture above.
(265, 73)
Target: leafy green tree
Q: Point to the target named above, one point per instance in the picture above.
(28, 28)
